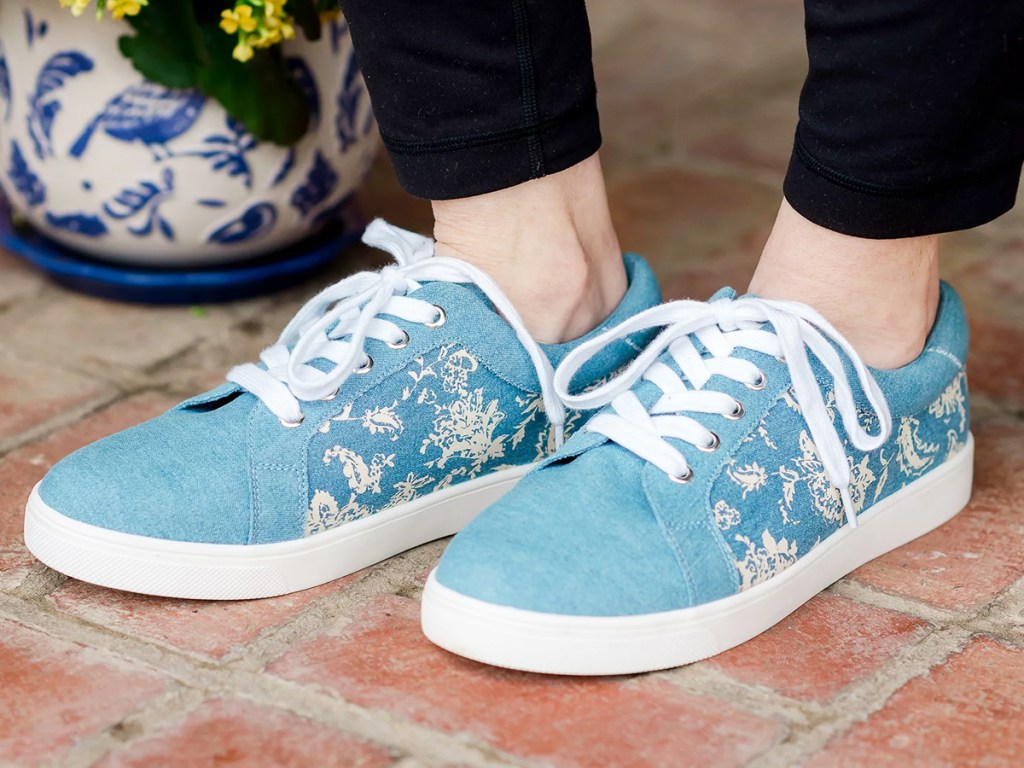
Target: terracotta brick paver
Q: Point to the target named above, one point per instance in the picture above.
(210, 628)
(974, 557)
(916, 659)
(227, 733)
(967, 711)
(32, 392)
(382, 661)
(827, 645)
(54, 692)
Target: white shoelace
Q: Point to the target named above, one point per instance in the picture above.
(722, 326)
(335, 324)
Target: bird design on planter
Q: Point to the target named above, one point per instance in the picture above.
(141, 204)
(145, 112)
(43, 104)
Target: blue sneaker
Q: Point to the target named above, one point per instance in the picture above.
(747, 459)
(394, 407)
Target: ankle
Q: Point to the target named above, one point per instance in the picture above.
(882, 295)
(549, 244)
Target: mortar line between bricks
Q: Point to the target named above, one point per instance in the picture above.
(703, 680)
(860, 700)
(64, 419)
(866, 594)
(397, 575)
(330, 710)
(996, 617)
(978, 620)
(146, 720)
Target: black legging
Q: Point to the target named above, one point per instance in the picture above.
(911, 117)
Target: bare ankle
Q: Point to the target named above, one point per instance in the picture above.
(548, 243)
(881, 294)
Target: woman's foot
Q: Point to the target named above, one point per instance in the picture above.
(549, 244)
(713, 497)
(395, 406)
(880, 294)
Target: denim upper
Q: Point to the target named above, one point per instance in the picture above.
(598, 531)
(459, 401)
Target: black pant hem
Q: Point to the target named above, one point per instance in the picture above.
(476, 165)
(835, 201)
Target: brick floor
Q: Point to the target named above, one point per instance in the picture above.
(202, 627)
(915, 659)
(821, 649)
(382, 661)
(964, 564)
(55, 692)
(965, 711)
(224, 732)
(32, 392)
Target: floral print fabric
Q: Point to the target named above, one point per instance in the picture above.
(446, 419)
(774, 502)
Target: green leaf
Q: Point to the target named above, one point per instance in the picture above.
(260, 93)
(166, 44)
(157, 61)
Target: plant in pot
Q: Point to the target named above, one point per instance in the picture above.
(180, 133)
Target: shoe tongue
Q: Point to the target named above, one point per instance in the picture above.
(724, 293)
(649, 393)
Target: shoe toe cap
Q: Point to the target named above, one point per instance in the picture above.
(163, 479)
(567, 541)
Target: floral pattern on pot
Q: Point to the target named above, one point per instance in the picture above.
(129, 170)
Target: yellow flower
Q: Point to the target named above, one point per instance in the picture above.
(77, 6)
(277, 19)
(240, 18)
(121, 8)
(266, 38)
(243, 51)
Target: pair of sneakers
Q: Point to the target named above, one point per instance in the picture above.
(738, 458)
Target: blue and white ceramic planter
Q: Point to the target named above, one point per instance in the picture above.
(123, 169)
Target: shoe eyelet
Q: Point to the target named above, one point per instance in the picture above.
(712, 445)
(781, 359)
(331, 396)
(401, 343)
(737, 412)
(293, 424)
(441, 319)
(682, 479)
(760, 383)
(366, 367)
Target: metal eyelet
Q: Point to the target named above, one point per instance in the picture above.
(293, 424)
(366, 367)
(401, 343)
(441, 319)
(737, 412)
(331, 396)
(761, 383)
(682, 479)
(712, 445)
(781, 359)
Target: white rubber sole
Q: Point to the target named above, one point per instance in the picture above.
(600, 645)
(236, 572)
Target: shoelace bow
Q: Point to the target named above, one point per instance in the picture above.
(334, 325)
(722, 326)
